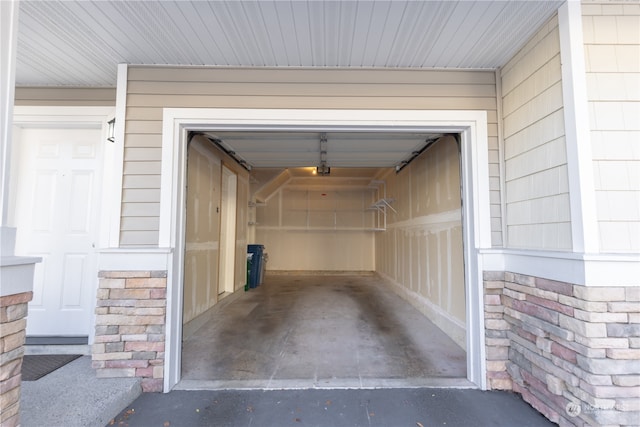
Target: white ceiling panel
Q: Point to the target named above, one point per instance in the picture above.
(80, 42)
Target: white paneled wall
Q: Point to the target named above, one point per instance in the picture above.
(612, 57)
(314, 230)
(421, 252)
(202, 242)
(536, 180)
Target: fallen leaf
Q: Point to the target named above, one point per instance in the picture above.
(419, 424)
(328, 402)
(166, 424)
(372, 414)
(297, 420)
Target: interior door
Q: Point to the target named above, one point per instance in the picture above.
(227, 231)
(58, 174)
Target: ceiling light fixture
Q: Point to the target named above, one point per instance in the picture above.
(323, 169)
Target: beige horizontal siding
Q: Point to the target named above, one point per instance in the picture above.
(142, 154)
(612, 57)
(372, 101)
(141, 181)
(536, 177)
(67, 96)
(150, 89)
(309, 89)
(302, 75)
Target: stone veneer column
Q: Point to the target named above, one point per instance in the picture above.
(572, 351)
(13, 310)
(130, 326)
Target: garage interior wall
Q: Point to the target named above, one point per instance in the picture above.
(202, 241)
(421, 252)
(152, 88)
(306, 228)
(203, 216)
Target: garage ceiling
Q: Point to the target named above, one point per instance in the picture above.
(336, 149)
(79, 43)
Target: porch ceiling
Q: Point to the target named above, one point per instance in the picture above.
(79, 43)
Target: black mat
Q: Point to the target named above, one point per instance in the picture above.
(36, 366)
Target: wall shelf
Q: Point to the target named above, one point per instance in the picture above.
(381, 205)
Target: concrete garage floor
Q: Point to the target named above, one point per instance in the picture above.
(298, 331)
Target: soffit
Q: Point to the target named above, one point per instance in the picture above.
(79, 43)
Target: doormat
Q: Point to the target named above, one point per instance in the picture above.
(36, 366)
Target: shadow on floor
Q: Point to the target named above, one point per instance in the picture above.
(320, 331)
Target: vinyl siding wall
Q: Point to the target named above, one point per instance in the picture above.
(536, 180)
(150, 89)
(65, 97)
(612, 59)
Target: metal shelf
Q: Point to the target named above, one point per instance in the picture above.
(381, 205)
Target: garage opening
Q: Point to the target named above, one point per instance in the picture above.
(365, 278)
(395, 270)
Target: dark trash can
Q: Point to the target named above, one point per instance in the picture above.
(256, 273)
(248, 278)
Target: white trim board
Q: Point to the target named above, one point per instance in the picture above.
(132, 259)
(471, 125)
(582, 195)
(580, 269)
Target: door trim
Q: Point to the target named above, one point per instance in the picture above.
(471, 125)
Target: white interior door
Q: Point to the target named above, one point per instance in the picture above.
(228, 230)
(58, 174)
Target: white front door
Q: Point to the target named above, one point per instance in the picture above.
(58, 174)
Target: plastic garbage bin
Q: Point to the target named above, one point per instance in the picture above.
(256, 264)
(247, 283)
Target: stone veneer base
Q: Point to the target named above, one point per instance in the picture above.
(571, 351)
(130, 326)
(13, 322)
